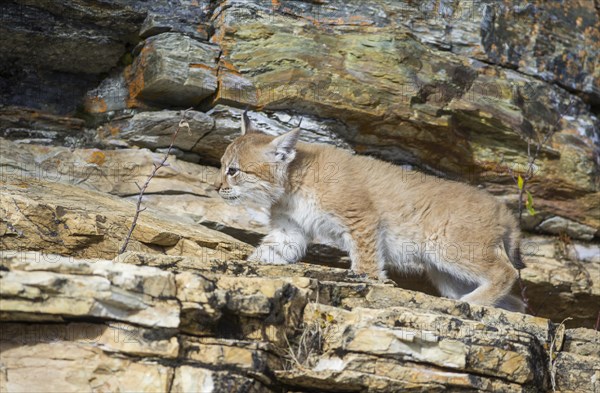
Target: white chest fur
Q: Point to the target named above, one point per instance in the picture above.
(303, 209)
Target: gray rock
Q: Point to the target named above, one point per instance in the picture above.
(189, 17)
(557, 225)
(155, 129)
(175, 70)
(585, 252)
(52, 52)
(227, 128)
(74, 38)
(110, 95)
(30, 126)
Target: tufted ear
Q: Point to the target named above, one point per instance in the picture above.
(247, 126)
(284, 146)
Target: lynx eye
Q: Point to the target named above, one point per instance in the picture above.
(232, 171)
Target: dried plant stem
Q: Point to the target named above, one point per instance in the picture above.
(525, 178)
(553, 346)
(292, 354)
(157, 166)
(532, 157)
(524, 297)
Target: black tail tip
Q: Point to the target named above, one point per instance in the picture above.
(517, 261)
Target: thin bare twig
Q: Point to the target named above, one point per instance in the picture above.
(528, 175)
(531, 158)
(560, 332)
(524, 297)
(138, 209)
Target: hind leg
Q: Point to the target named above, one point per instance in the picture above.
(497, 280)
(449, 285)
(512, 303)
(488, 283)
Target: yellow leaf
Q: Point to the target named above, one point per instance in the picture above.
(529, 204)
(520, 182)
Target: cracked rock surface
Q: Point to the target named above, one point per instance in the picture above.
(206, 325)
(89, 101)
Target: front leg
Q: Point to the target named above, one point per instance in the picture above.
(283, 245)
(362, 246)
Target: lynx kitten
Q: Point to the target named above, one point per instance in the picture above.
(384, 216)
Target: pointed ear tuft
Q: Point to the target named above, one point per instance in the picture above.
(247, 126)
(285, 146)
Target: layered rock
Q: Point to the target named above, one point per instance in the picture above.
(210, 132)
(454, 88)
(50, 65)
(40, 213)
(24, 125)
(408, 102)
(445, 86)
(252, 327)
(561, 279)
(174, 69)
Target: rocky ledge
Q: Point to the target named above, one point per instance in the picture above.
(89, 101)
(181, 311)
(150, 322)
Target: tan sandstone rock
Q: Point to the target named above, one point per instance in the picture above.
(249, 327)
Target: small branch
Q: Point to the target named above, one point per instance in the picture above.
(531, 158)
(157, 166)
(528, 175)
(524, 295)
(560, 331)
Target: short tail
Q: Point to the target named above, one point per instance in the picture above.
(512, 245)
(516, 259)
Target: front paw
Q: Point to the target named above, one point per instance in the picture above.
(265, 254)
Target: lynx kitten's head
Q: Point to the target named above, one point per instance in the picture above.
(254, 166)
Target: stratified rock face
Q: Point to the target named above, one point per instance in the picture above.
(91, 97)
(57, 50)
(546, 43)
(25, 125)
(408, 101)
(43, 210)
(155, 129)
(87, 223)
(456, 88)
(245, 327)
(189, 17)
(200, 317)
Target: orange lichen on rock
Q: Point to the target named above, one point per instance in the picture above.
(95, 105)
(202, 66)
(114, 131)
(97, 157)
(134, 75)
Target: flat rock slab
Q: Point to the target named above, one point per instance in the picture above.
(59, 286)
(237, 324)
